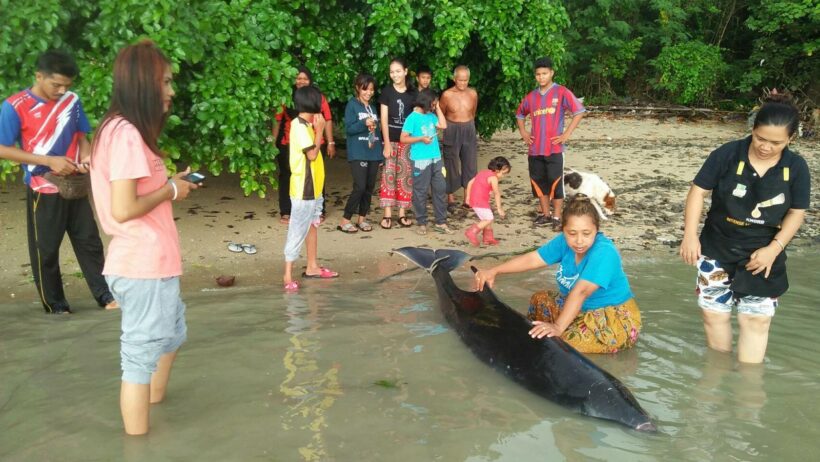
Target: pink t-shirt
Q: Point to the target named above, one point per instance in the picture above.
(146, 247)
(481, 190)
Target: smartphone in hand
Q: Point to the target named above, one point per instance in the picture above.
(194, 177)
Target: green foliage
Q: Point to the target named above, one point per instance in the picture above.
(605, 44)
(614, 46)
(235, 60)
(787, 36)
(689, 71)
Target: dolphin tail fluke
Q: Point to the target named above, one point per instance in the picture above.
(429, 259)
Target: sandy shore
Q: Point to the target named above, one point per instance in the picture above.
(648, 163)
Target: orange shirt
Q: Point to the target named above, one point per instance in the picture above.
(146, 247)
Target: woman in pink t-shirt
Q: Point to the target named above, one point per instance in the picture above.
(133, 195)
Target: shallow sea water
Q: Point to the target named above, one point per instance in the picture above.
(367, 370)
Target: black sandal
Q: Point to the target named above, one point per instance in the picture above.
(388, 220)
(405, 222)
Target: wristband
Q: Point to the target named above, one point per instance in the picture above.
(782, 247)
(331, 142)
(173, 185)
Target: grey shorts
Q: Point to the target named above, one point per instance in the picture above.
(715, 294)
(153, 323)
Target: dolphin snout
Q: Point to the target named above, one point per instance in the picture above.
(647, 427)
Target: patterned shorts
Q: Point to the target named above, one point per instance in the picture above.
(715, 294)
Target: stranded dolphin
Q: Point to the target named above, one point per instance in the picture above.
(548, 367)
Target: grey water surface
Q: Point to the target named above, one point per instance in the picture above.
(358, 369)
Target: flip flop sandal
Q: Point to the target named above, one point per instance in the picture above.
(234, 247)
(292, 286)
(365, 226)
(285, 219)
(324, 273)
(422, 230)
(249, 249)
(405, 222)
(452, 207)
(388, 220)
(348, 228)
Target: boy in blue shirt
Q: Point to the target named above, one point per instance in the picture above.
(420, 133)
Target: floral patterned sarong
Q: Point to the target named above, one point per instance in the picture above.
(603, 330)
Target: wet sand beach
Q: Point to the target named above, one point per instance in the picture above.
(647, 162)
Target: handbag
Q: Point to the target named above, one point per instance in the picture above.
(75, 186)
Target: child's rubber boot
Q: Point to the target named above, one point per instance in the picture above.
(489, 239)
(472, 235)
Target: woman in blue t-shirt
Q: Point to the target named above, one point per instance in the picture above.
(593, 309)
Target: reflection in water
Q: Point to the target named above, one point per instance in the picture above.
(310, 391)
(233, 401)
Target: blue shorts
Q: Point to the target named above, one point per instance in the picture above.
(153, 323)
(714, 293)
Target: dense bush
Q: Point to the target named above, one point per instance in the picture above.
(764, 43)
(689, 71)
(235, 59)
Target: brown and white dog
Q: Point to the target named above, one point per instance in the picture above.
(592, 186)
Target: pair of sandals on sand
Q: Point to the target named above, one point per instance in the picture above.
(387, 222)
(350, 228)
(324, 273)
(249, 249)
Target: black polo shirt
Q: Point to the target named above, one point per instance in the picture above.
(747, 209)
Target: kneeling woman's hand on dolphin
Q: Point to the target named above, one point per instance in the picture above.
(543, 329)
(485, 277)
(527, 262)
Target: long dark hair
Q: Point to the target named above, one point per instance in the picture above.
(408, 83)
(137, 92)
(424, 100)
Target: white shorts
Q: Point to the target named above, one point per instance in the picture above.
(484, 214)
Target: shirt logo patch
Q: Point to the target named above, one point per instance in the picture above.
(740, 191)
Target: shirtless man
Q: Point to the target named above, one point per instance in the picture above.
(459, 104)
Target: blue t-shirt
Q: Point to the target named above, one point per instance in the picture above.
(418, 124)
(601, 266)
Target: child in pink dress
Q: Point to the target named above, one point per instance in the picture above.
(478, 197)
